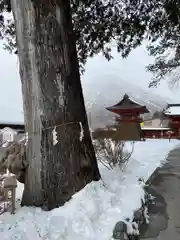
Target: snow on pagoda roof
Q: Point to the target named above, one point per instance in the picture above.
(173, 110)
(127, 103)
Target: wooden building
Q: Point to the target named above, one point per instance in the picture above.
(11, 131)
(172, 128)
(172, 113)
(128, 109)
(19, 127)
(128, 119)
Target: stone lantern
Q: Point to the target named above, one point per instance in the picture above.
(9, 185)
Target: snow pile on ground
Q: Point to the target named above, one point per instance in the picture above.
(94, 211)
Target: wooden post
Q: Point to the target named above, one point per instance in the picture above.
(13, 199)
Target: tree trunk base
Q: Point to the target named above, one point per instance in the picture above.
(28, 201)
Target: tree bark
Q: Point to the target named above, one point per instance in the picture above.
(52, 97)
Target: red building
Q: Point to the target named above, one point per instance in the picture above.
(128, 110)
(128, 119)
(172, 113)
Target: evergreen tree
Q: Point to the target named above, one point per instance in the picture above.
(46, 45)
(60, 155)
(127, 24)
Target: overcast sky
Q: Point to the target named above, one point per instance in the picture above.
(132, 70)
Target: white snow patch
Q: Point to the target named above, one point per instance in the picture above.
(54, 135)
(94, 211)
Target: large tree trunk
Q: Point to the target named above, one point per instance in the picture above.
(52, 96)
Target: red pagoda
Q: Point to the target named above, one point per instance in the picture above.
(128, 110)
(128, 121)
(127, 127)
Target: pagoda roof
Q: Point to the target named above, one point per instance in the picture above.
(127, 104)
(172, 110)
(173, 105)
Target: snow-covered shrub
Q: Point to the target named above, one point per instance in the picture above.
(112, 153)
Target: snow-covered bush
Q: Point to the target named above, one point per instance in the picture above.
(112, 153)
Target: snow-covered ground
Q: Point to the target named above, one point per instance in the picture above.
(94, 211)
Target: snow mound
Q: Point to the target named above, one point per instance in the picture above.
(93, 212)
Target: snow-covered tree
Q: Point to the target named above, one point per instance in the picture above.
(60, 154)
(52, 95)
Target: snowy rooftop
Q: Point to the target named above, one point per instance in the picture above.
(172, 110)
(128, 103)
